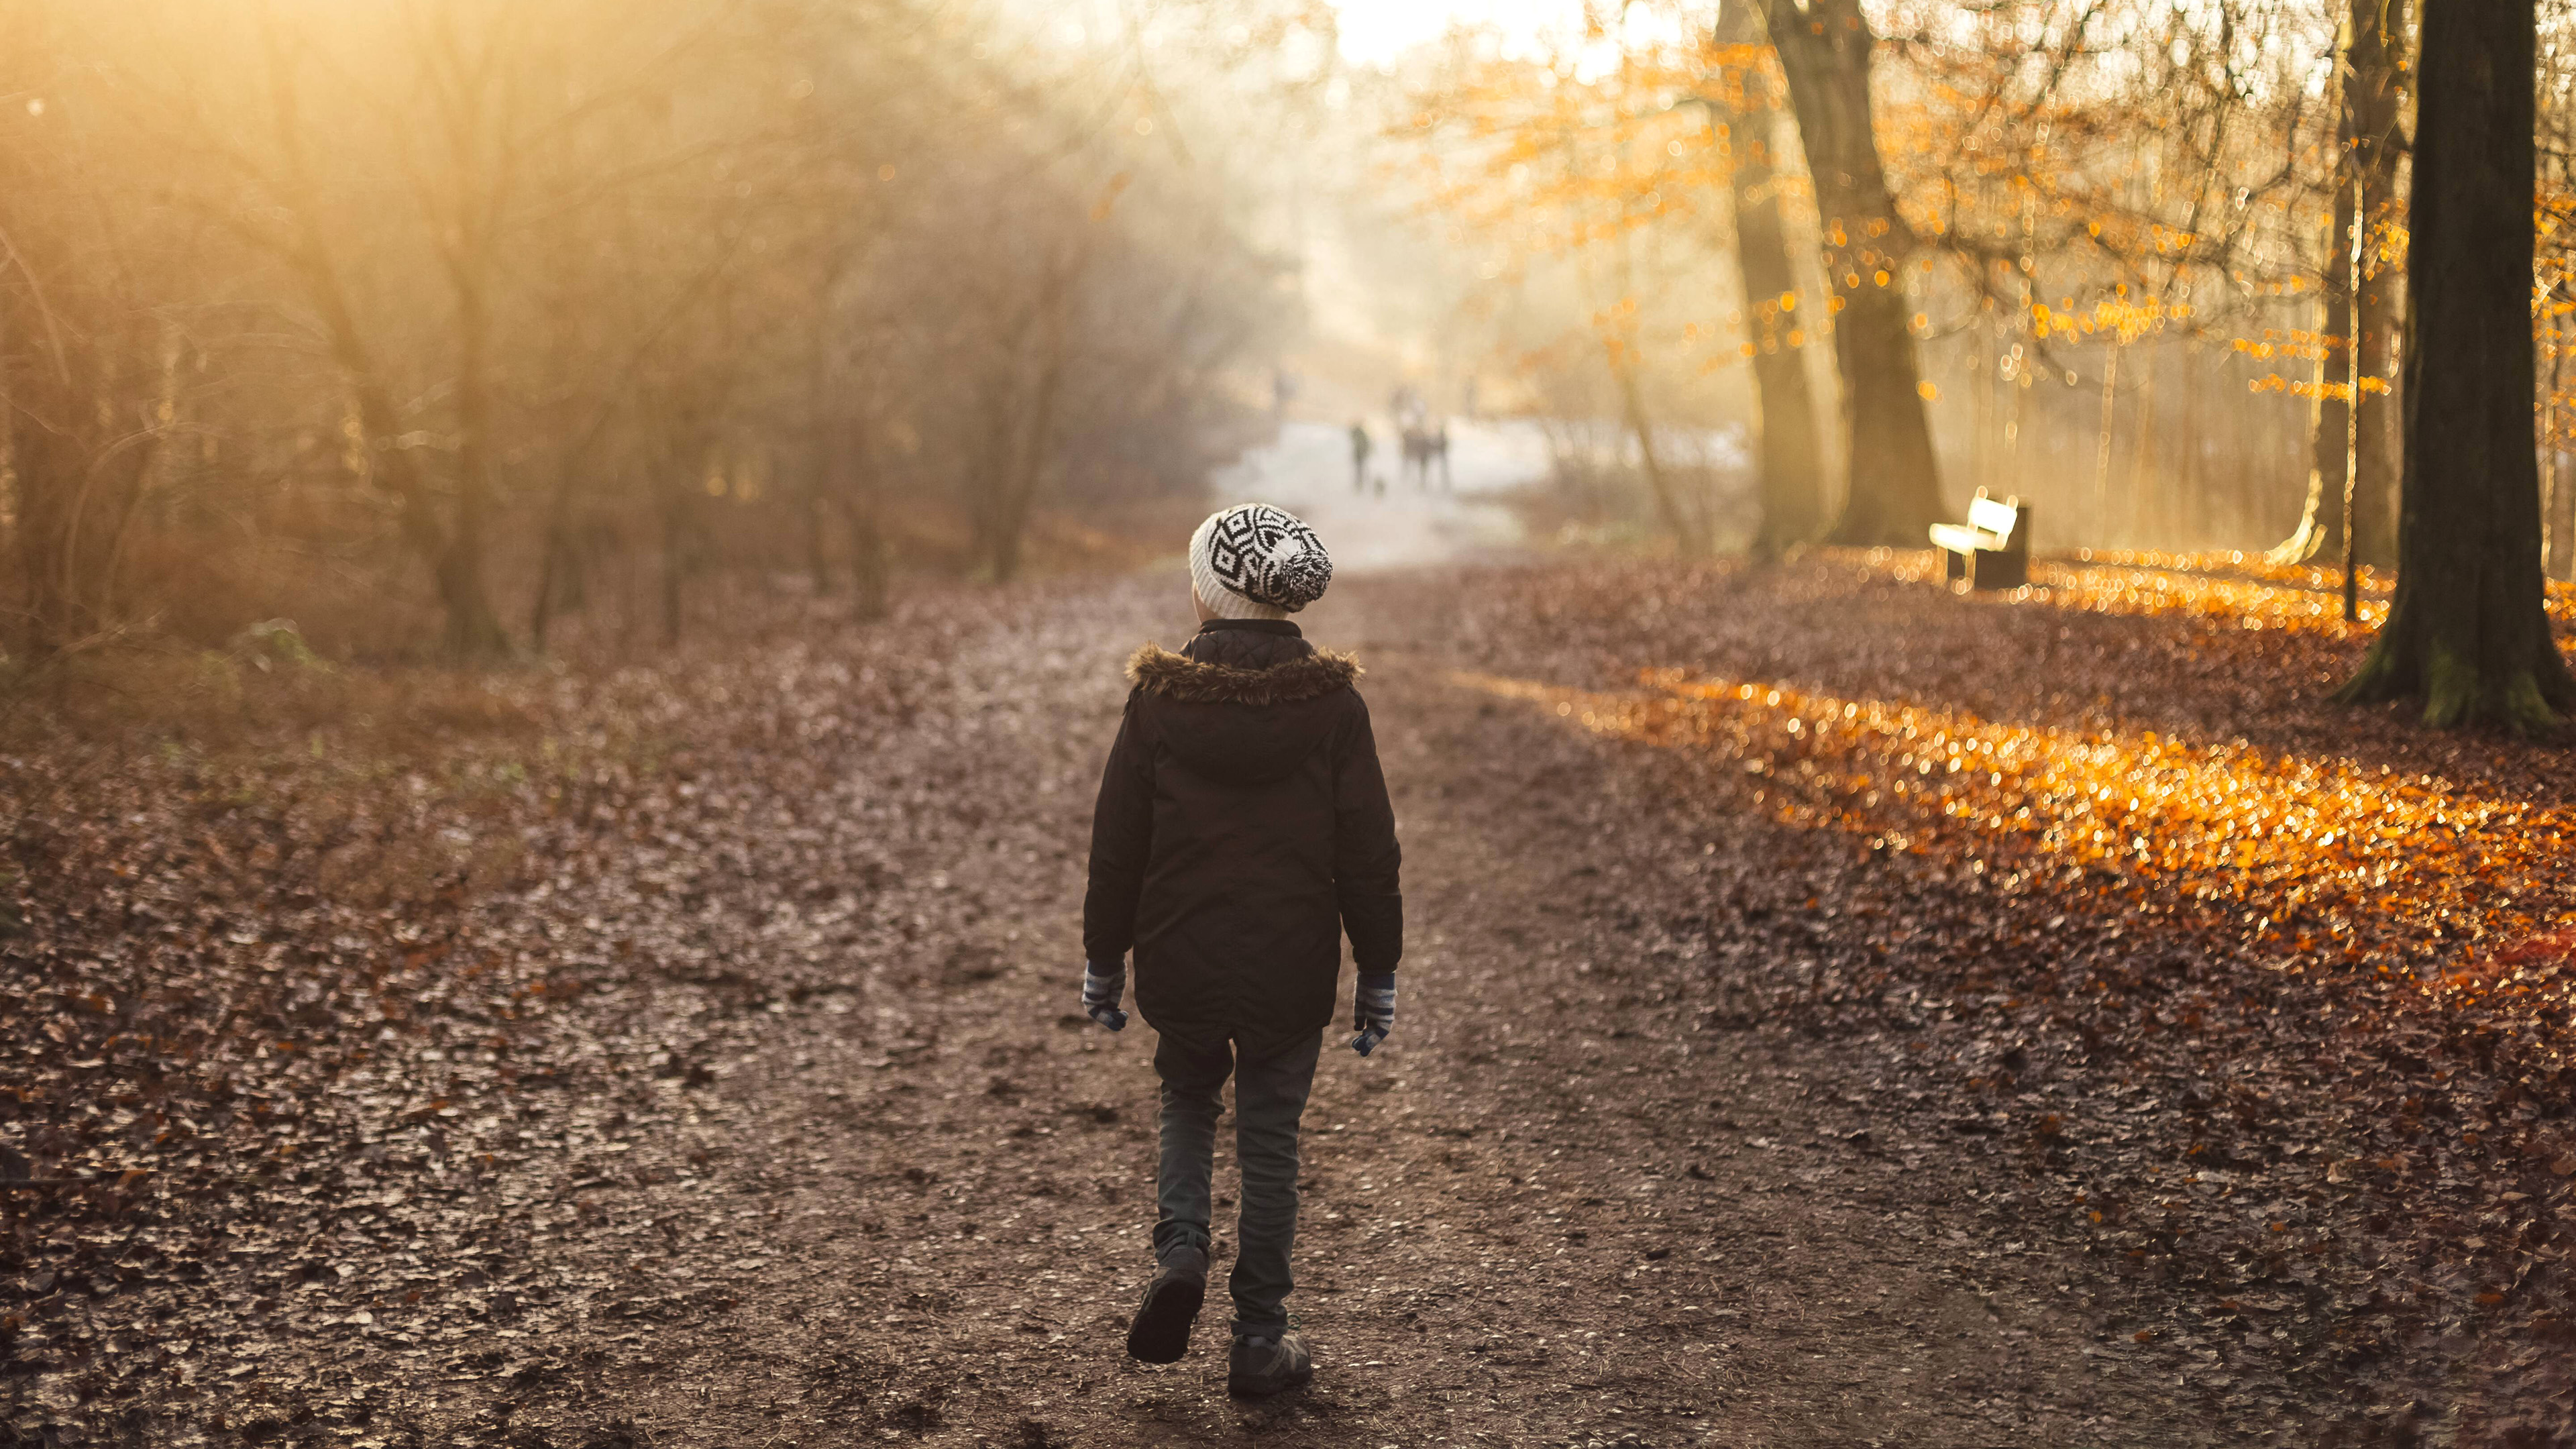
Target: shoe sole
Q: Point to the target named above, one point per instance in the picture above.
(1248, 1388)
(1161, 1332)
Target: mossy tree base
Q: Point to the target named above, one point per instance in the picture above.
(2529, 699)
(2468, 632)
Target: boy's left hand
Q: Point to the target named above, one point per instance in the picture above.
(1101, 991)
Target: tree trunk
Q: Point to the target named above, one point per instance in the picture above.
(853, 485)
(2374, 93)
(2372, 82)
(1895, 491)
(2191, 523)
(473, 628)
(559, 586)
(871, 571)
(2320, 530)
(1792, 472)
(1028, 465)
(675, 544)
(1025, 457)
(2546, 430)
(820, 430)
(2147, 494)
(2562, 554)
(1688, 535)
(2467, 630)
(818, 558)
(46, 466)
(79, 484)
(456, 567)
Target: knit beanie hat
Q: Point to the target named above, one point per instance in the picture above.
(1253, 561)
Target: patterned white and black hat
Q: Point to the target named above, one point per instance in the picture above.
(1260, 555)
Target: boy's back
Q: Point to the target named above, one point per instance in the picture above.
(1242, 826)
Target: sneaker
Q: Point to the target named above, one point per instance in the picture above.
(1264, 1366)
(1161, 1332)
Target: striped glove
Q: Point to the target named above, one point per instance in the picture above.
(1373, 1013)
(1102, 986)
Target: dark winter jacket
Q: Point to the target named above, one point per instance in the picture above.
(1243, 826)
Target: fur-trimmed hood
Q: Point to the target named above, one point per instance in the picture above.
(1247, 701)
(1183, 680)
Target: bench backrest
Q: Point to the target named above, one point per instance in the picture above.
(1991, 515)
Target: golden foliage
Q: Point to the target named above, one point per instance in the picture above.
(2328, 859)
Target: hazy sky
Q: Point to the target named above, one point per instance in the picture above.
(1376, 31)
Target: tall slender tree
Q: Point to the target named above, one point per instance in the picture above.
(1824, 48)
(2467, 631)
(2371, 84)
(1793, 482)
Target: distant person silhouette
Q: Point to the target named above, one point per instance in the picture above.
(1359, 456)
(1422, 448)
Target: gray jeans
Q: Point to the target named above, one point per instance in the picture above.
(1269, 1098)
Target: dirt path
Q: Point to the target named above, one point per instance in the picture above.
(843, 1164)
(1559, 1208)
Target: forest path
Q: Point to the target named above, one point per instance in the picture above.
(1406, 522)
(1569, 1202)
(695, 1061)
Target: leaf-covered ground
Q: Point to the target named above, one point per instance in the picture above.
(1838, 1012)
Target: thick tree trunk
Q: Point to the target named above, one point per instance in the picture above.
(1895, 491)
(1793, 474)
(2467, 631)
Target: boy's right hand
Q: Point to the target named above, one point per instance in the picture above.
(1373, 1010)
(1102, 987)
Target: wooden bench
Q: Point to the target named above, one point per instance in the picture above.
(1993, 551)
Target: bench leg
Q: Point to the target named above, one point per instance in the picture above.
(1954, 565)
(2000, 570)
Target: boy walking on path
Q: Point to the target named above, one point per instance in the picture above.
(1242, 828)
